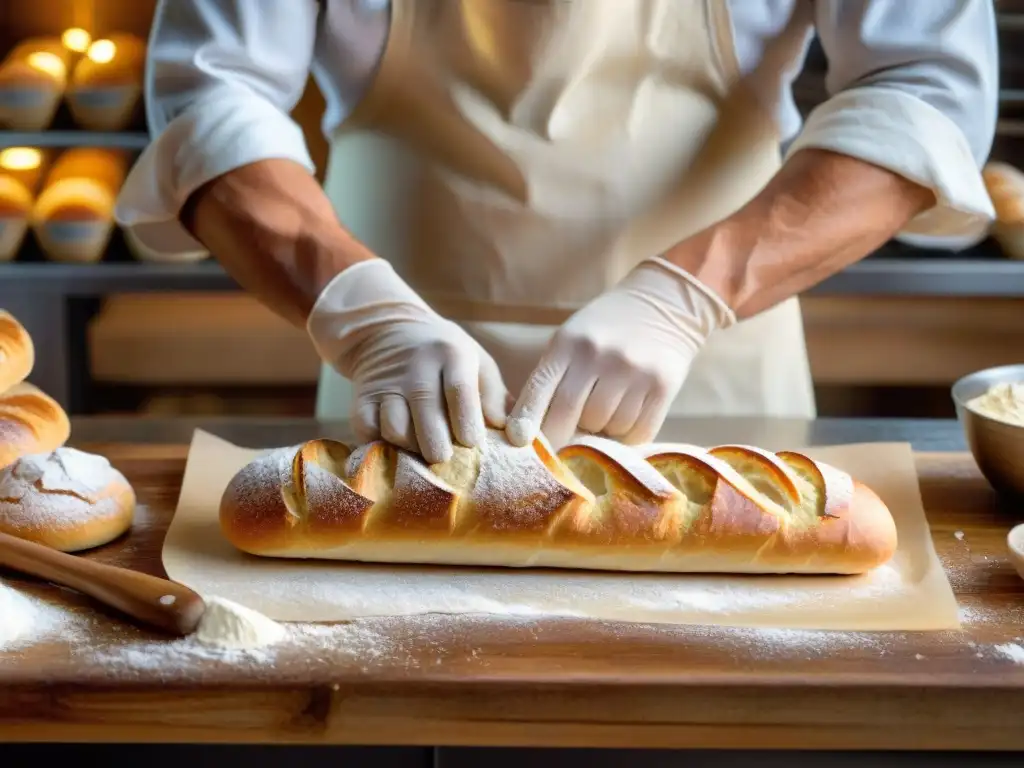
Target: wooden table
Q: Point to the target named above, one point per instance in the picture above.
(550, 683)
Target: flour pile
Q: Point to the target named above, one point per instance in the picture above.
(229, 625)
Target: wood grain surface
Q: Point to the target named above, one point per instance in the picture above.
(471, 681)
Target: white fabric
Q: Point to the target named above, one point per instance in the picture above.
(674, 156)
(412, 367)
(223, 73)
(616, 366)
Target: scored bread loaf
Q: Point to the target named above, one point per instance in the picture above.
(107, 82)
(17, 353)
(596, 504)
(30, 422)
(73, 217)
(65, 499)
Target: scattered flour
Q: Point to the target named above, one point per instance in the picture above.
(25, 620)
(17, 615)
(226, 624)
(1013, 651)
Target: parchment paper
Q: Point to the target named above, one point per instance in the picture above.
(910, 593)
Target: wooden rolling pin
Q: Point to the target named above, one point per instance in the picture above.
(153, 601)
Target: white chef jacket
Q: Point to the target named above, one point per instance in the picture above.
(913, 88)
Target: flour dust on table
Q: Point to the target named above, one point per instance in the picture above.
(25, 620)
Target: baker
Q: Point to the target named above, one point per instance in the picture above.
(558, 215)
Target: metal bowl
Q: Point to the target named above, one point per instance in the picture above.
(998, 447)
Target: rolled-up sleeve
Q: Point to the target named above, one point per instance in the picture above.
(914, 89)
(221, 79)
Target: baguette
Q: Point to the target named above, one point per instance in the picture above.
(596, 504)
(30, 422)
(17, 353)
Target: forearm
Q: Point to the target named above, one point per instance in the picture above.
(822, 212)
(273, 229)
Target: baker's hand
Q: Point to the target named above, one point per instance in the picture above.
(419, 379)
(617, 364)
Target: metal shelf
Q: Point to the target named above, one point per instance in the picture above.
(895, 270)
(134, 140)
(111, 278)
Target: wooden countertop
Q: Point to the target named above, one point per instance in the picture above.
(471, 681)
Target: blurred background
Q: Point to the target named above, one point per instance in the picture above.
(118, 332)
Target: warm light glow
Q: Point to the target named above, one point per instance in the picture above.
(50, 63)
(102, 51)
(20, 158)
(76, 39)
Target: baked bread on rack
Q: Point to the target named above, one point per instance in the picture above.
(596, 504)
(1005, 185)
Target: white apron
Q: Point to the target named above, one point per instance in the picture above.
(515, 158)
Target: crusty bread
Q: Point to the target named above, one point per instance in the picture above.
(1005, 185)
(30, 422)
(73, 217)
(65, 499)
(33, 77)
(103, 94)
(17, 353)
(15, 209)
(27, 165)
(597, 504)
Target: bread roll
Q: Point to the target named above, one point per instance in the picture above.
(66, 499)
(15, 209)
(17, 353)
(1005, 186)
(144, 253)
(597, 504)
(73, 217)
(33, 78)
(107, 82)
(30, 422)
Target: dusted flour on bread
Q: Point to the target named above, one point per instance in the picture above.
(596, 504)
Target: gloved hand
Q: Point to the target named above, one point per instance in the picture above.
(617, 364)
(414, 372)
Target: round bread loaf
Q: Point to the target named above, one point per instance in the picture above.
(67, 499)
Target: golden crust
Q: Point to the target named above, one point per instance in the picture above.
(1005, 185)
(65, 499)
(596, 504)
(30, 422)
(17, 353)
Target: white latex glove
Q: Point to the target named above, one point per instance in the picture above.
(418, 377)
(617, 364)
